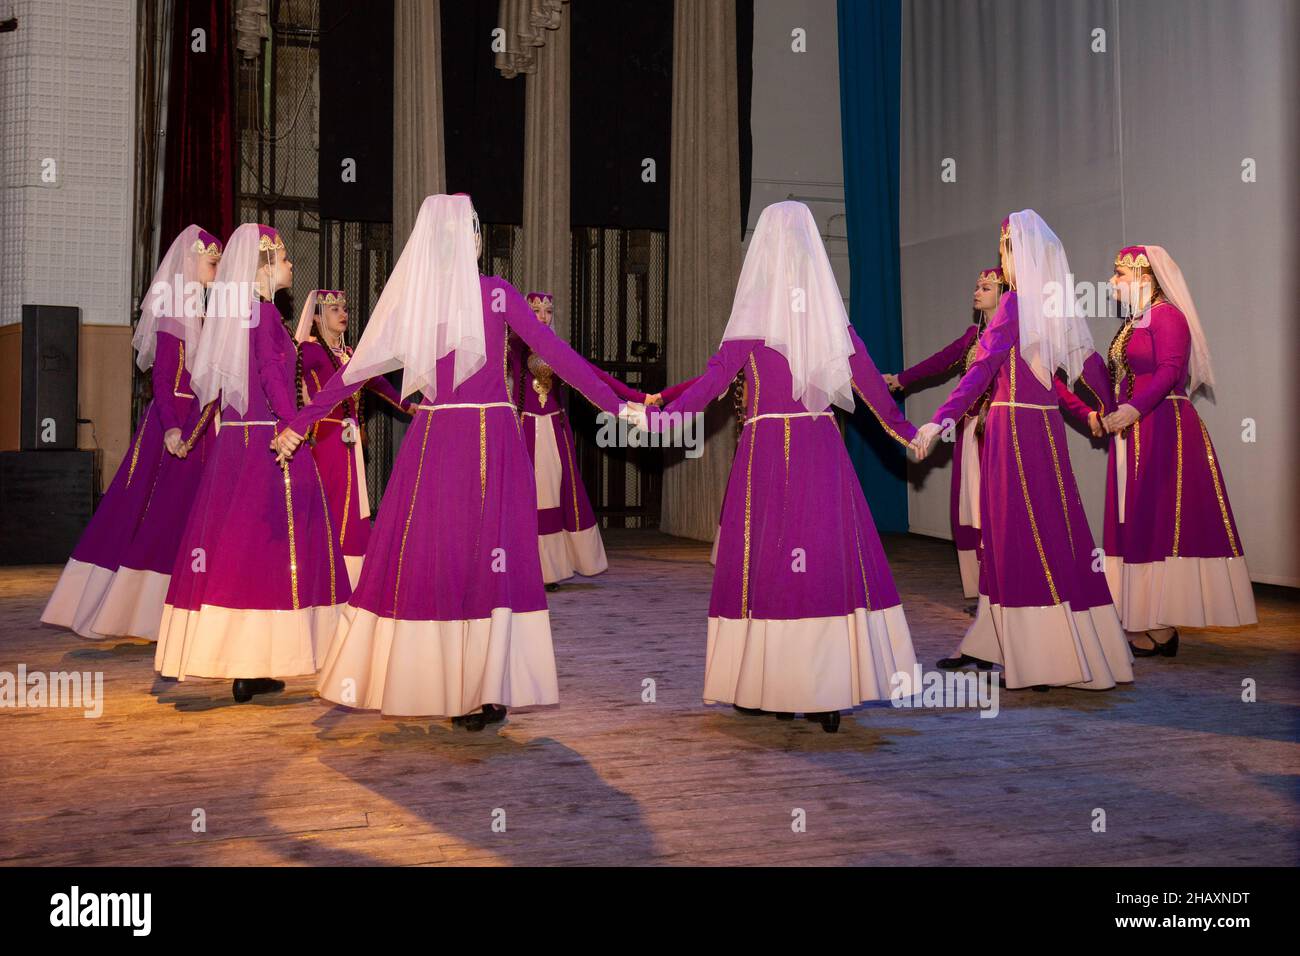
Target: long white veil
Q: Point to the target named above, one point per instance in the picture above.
(221, 362)
(1174, 285)
(1052, 332)
(174, 302)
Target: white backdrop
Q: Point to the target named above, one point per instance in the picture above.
(1140, 143)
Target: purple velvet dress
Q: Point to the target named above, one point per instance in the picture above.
(450, 612)
(1045, 612)
(342, 469)
(964, 503)
(804, 616)
(134, 603)
(83, 588)
(259, 578)
(1173, 554)
(568, 538)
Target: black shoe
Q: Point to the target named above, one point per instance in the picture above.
(784, 715)
(749, 711)
(1167, 648)
(472, 722)
(552, 587)
(971, 609)
(1042, 688)
(829, 719)
(492, 713)
(244, 688)
(963, 660)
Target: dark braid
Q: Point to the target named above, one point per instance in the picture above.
(297, 375)
(738, 400)
(355, 399)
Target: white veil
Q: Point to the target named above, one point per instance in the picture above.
(787, 296)
(1171, 281)
(305, 319)
(174, 302)
(431, 306)
(1052, 332)
(221, 362)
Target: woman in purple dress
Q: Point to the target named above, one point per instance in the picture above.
(449, 616)
(804, 616)
(1174, 557)
(568, 538)
(964, 511)
(338, 436)
(1044, 613)
(152, 489)
(259, 580)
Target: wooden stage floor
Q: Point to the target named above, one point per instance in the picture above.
(1185, 771)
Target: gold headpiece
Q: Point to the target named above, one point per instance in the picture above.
(1006, 232)
(994, 274)
(268, 244)
(1129, 261)
(211, 249)
(332, 298)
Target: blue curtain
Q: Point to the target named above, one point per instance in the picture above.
(870, 36)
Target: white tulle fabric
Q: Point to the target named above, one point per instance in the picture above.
(221, 360)
(174, 303)
(432, 305)
(1052, 332)
(305, 319)
(787, 296)
(1175, 288)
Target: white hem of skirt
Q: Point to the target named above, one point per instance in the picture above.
(565, 553)
(809, 664)
(1053, 645)
(1182, 592)
(968, 563)
(440, 668)
(225, 642)
(134, 604)
(77, 598)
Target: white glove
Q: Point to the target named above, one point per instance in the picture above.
(925, 438)
(635, 414)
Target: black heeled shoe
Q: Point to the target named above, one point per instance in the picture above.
(1042, 688)
(829, 719)
(784, 715)
(493, 714)
(472, 722)
(244, 688)
(552, 588)
(1167, 648)
(749, 711)
(963, 660)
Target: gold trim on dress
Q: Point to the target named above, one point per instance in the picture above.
(329, 531)
(883, 424)
(1178, 478)
(293, 548)
(1060, 480)
(1024, 485)
(135, 450)
(1218, 488)
(410, 512)
(749, 495)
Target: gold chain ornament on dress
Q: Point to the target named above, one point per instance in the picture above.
(543, 377)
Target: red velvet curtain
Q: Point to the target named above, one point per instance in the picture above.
(199, 182)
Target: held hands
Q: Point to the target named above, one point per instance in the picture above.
(1121, 418)
(174, 443)
(1095, 425)
(635, 414)
(656, 399)
(285, 444)
(925, 438)
(892, 381)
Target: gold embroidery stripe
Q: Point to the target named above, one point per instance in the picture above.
(415, 492)
(749, 495)
(1024, 485)
(180, 367)
(883, 424)
(135, 451)
(1218, 488)
(293, 547)
(347, 494)
(482, 456)
(203, 420)
(573, 474)
(1060, 481)
(786, 421)
(857, 544)
(1178, 479)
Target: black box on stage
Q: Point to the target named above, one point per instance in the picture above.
(49, 393)
(46, 500)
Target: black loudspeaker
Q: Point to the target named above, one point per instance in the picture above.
(355, 174)
(45, 504)
(49, 402)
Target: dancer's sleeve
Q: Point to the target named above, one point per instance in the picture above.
(268, 338)
(196, 421)
(571, 367)
(672, 392)
(941, 361)
(165, 375)
(871, 389)
(334, 391)
(1094, 379)
(993, 350)
(384, 389)
(621, 389)
(1173, 344)
(717, 378)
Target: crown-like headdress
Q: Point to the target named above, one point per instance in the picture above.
(995, 274)
(207, 245)
(326, 297)
(269, 240)
(1133, 257)
(539, 297)
(1006, 228)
